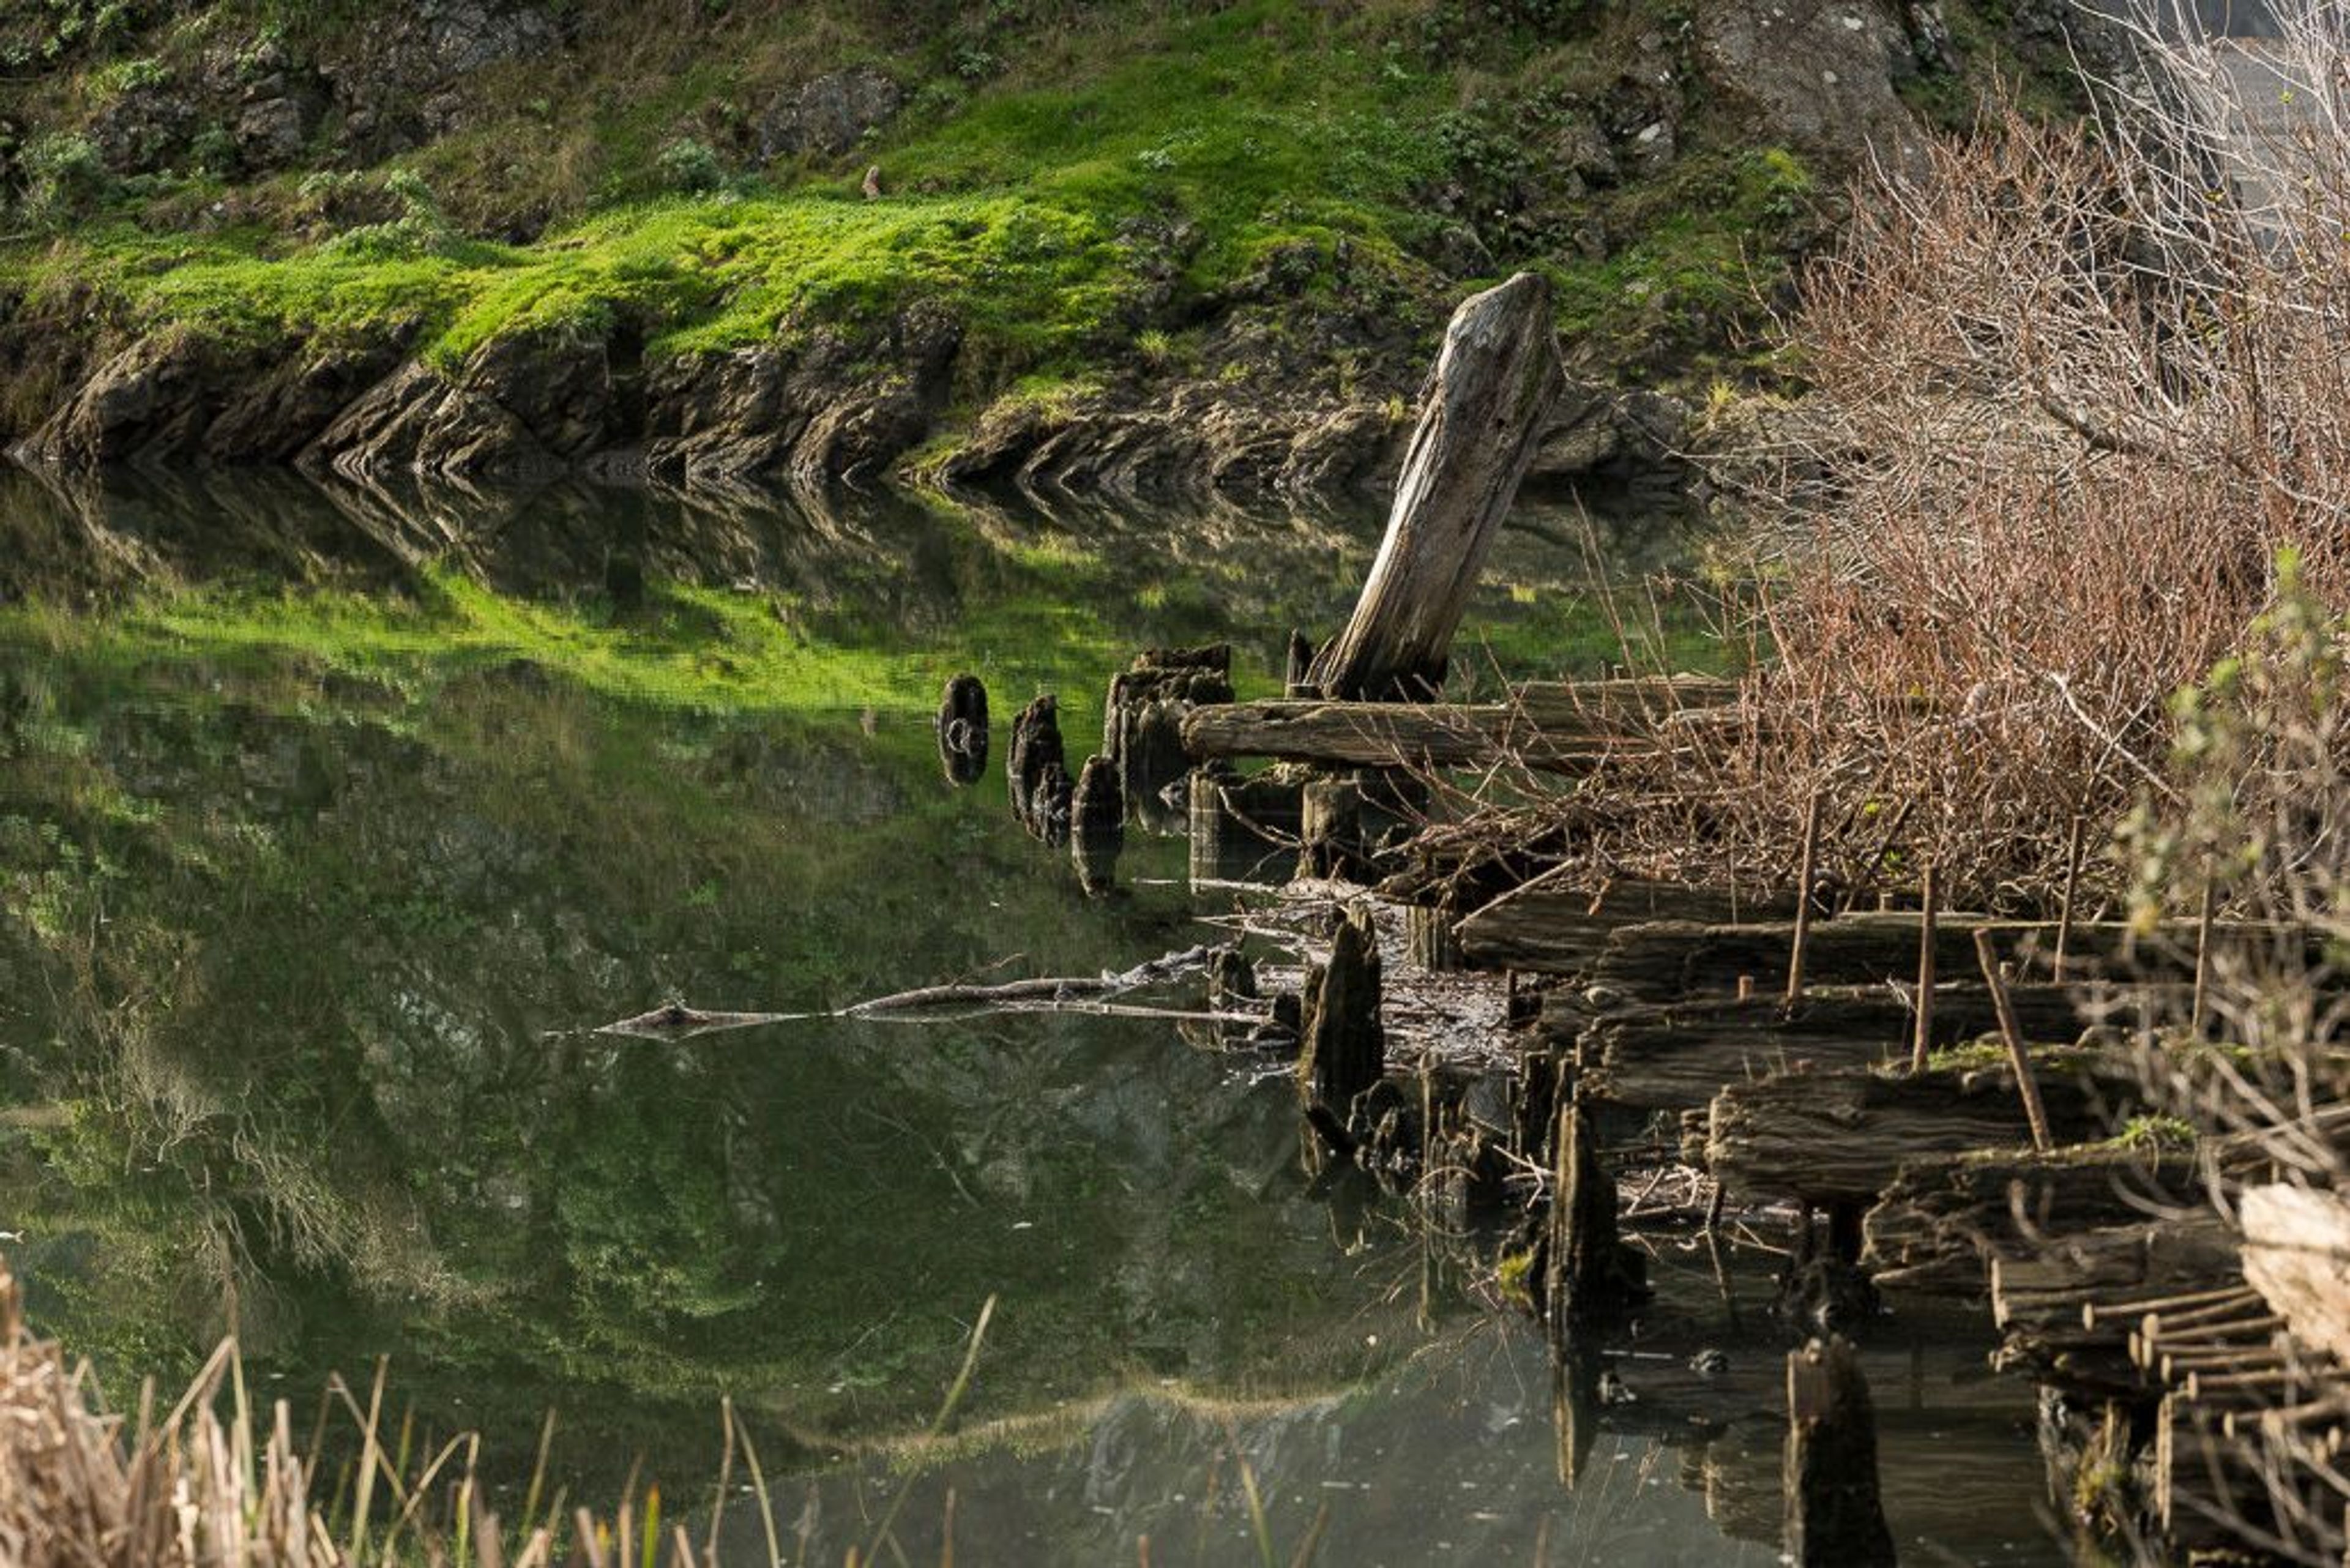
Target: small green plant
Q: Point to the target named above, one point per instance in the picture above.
(689, 166)
(113, 81)
(64, 175)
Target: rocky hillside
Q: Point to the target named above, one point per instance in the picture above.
(1121, 245)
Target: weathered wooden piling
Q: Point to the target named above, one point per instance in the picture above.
(963, 729)
(1835, 1516)
(1345, 1049)
(1142, 724)
(1330, 831)
(1240, 826)
(1589, 1271)
(1496, 380)
(1299, 666)
(1096, 824)
(1035, 748)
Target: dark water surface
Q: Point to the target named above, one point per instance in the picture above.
(330, 821)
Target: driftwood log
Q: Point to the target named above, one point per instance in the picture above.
(1481, 417)
(2297, 1255)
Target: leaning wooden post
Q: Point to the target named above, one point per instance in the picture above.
(1496, 380)
(1922, 1044)
(1803, 899)
(1835, 1516)
(1995, 975)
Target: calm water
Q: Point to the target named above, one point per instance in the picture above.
(331, 822)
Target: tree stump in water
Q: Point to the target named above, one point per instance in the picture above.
(1036, 747)
(963, 729)
(1345, 1052)
(1096, 824)
(1487, 402)
(1834, 1517)
(1142, 724)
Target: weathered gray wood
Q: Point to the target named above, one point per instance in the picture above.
(1835, 1518)
(1401, 735)
(2297, 1255)
(1242, 826)
(1588, 1270)
(1496, 380)
(1670, 1057)
(1561, 922)
(1943, 1220)
(1096, 824)
(2038, 1294)
(1330, 831)
(1824, 1138)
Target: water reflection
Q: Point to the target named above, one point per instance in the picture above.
(298, 939)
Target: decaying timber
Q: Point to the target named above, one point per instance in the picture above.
(1496, 380)
(1674, 1056)
(1096, 824)
(1831, 1137)
(1244, 829)
(961, 726)
(1589, 1270)
(1943, 1220)
(1142, 724)
(1035, 752)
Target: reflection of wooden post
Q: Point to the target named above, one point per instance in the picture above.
(1495, 383)
(1096, 824)
(1835, 1518)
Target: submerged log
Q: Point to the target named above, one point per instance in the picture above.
(963, 729)
(1824, 1138)
(1497, 379)
(1835, 1516)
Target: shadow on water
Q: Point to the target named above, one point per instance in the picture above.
(329, 820)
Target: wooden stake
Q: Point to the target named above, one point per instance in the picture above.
(2202, 957)
(2064, 910)
(1924, 1042)
(1803, 899)
(1995, 976)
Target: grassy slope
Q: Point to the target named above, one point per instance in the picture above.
(1034, 178)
